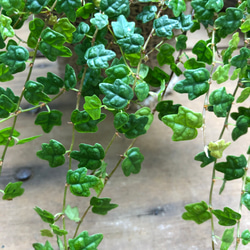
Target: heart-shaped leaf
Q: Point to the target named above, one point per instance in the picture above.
(13, 190)
(93, 106)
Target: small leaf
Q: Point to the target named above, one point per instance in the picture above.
(64, 27)
(181, 43)
(45, 215)
(156, 76)
(46, 233)
(47, 120)
(233, 168)
(101, 205)
(193, 64)
(6, 105)
(178, 6)
(13, 190)
(221, 74)
(85, 11)
(195, 84)
(227, 239)
(68, 7)
(145, 111)
(93, 106)
(245, 27)
(39, 246)
(201, 12)
(115, 8)
(215, 5)
(167, 108)
(80, 183)
(120, 119)
(70, 77)
(53, 153)
(132, 162)
(5, 26)
(5, 136)
(5, 74)
(204, 159)
(81, 30)
(242, 125)
(185, 22)
(57, 230)
(100, 20)
(165, 55)
(240, 61)
(203, 52)
(28, 139)
(89, 156)
(72, 213)
(246, 200)
(217, 148)
(36, 27)
(183, 124)
(119, 71)
(35, 6)
(244, 95)
(245, 237)
(141, 90)
(84, 241)
(228, 217)
(131, 44)
(148, 13)
(197, 212)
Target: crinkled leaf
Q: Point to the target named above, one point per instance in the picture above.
(201, 12)
(228, 217)
(100, 20)
(184, 124)
(246, 200)
(181, 42)
(245, 237)
(245, 93)
(242, 125)
(64, 27)
(203, 52)
(115, 8)
(89, 156)
(141, 90)
(185, 22)
(195, 84)
(7, 105)
(101, 205)
(132, 162)
(83, 122)
(177, 6)
(5, 74)
(5, 26)
(197, 212)
(221, 73)
(36, 27)
(15, 58)
(217, 148)
(80, 182)
(35, 6)
(167, 108)
(227, 239)
(235, 74)
(52, 83)
(240, 61)
(5, 136)
(134, 127)
(145, 111)
(163, 26)
(45, 215)
(193, 64)
(34, 94)
(51, 45)
(230, 22)
(28, 139)
(93, 106)
(48, 119)
(81, 30)
(205, 160)
(86, 10)
(69, 77)
(97, 57)
(131, 44)
(233, 168)
(215, 5)
(53, 153)
(245, 27)
(221, 101)
(11, 5)
(84, 241)
(119, 71)
(68, 7)
(56, 230)
(117, 95)
(39, 246)
(156, 76)
(148, 13)
(165, 55)
(120, 119)
(13, 190)
(72, 213)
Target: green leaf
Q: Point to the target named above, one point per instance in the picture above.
(148, 13)
(205, 160)
(163, 26)
(5, 136)
(5, 74)
(89, 156)
(100, 20)
(117, 95)
(84, 241)
(101, 205)
(167, 108)
(197, 212)
(217, 148)
(72, 213)
(120, 119)
(141, 90)
(48, 119)
(235, 74)
(97, 57)
(119, 71)
(240, 61)
(245, 93)
(53, 153)
(5, 26)
(228, 23)
(8, 102)
(15, 58)
(203, 52)
(156, 76)
(64, 27)
(221, 101)
(246, 200)
(115, 8)
(52, 83)
(81, 30)
(215, 5)
(46, 233)
(178, 6)
(183, 124)
(245, 237)
(51, 45)
(68, 7)
(145, 111)
(80, 182)
(131, 44)
(45, 215)
(34, 94)
(85, 11)
(35, 6)
(134, 127)
(39, 246)
(57, 230)
(181, 43)
(221, 73)
(195, 84)
(83, 122)
(165, 55)
(28, 139)
(11, 5)
(242, 124)
(233, 168)
(36, 27)
(185, 22)
(132, 162)
(193, 64)
(69, 77)
(245, 27)
(92, 106)
(227, 239)
(228, 217)
(13, 190)
(201, 12)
